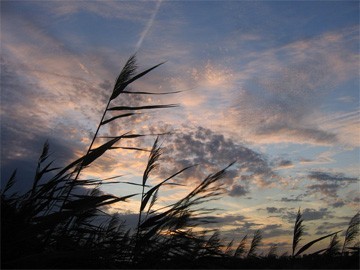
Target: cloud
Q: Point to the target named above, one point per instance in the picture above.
(57, 96)
(329, 227)
(329, 183)
(237, 191)
(212, 151)
(326, 176)
(338, 203)
(296, 199)
(313, 214)
(272, 210)
(308, 214)
(228, 219)
(280, 164)
(345, 124)
(274, 230)
(281, 106)
(26, 125)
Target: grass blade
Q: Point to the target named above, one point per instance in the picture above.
(150, 93)
(97, 152)
(149, 107)
(10, 182)
(305, 247)
(116, 117)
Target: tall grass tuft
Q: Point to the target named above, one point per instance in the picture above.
(298, 231)
(240, 250)
(255, 242)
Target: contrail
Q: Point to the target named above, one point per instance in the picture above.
(148, 26)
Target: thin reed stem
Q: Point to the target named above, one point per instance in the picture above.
(88, 151)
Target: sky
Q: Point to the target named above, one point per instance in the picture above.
(272, 85)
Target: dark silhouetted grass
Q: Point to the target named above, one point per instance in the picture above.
(63, 222)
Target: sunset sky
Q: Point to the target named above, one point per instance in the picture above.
(273, 85)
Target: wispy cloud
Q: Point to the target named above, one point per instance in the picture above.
(283, 103)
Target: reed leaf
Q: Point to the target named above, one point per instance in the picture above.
(117, 199)
(148, 195)
(86, 201)
(136, 108)
(132, 136)
(97, 152)
(308, 245)
(116, 117)
(151, 221)
(131, 148)
(9, 183)
(150, 93)
(144, 73)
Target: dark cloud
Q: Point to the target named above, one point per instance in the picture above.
(274, 230)
(337, 204)
(228, 219)
(292, 199)
(325, 176)
(329, 183)
(272, 210)
(312, 214)
(329, 227)
(289, 214)
(284, 163)
(328, 189)
(237, 191)
(309, 214)
(212, 151)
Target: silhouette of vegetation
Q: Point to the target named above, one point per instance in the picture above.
(56, 225)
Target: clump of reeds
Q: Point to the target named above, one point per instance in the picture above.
(54, 225)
